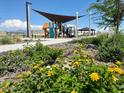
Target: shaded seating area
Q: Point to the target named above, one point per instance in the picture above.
(56, 27)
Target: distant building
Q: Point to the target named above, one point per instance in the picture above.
(87, 31)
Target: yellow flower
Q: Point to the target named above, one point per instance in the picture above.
(114, 78)
(87, 60)
(28, 73)
(1, 91)
(20, 75)
(41, 69)
(54, 66)
(82, 51)
(110, 69)
(76, 64)
(94, 76)
(118, 70)
(6, 84)
(50, 73)
(75, 51)
(74, 91)
(93, 60)
(36, 66)
(118, 63)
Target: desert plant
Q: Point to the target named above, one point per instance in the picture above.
(112, 48)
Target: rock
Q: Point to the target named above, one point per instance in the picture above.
(91, 46)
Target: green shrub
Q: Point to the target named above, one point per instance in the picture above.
(112, 48)
(100, 38)
(92, 40)
(21, 59)
(10, 39)
(17, 39)
(6, 40)
(40, 52)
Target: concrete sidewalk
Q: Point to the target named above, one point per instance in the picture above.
(9, 47)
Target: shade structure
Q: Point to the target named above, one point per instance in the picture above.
(56, 17)
(85, 29)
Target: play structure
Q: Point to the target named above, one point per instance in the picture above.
(57, 27)
(54, 30)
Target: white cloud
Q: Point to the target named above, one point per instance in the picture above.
(16, 25)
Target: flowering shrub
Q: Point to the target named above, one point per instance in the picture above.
(83, 75)
(21, 59)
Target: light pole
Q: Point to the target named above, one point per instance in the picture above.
(0, 20)
(28, 17)
(77, 24)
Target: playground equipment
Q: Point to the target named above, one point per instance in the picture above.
(51, 30)
(71, 31)
(46, 30)
(54, 30)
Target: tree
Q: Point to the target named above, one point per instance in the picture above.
(109, 13)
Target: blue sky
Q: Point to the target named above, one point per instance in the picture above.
(15, 10)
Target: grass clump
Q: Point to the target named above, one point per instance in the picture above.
(10, 40)
(6, 40)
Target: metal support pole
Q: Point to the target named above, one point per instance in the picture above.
(89, 23)
(28, 18)
(76, 24)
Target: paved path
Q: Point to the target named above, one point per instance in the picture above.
(5, 48)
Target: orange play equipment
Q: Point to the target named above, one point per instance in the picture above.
(46, 30)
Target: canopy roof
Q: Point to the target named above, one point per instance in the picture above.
(56, 17)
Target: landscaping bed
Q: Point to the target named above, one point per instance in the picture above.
(62, 68)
